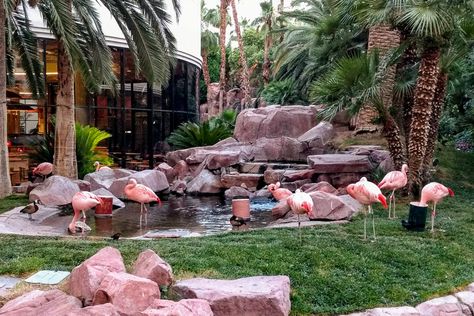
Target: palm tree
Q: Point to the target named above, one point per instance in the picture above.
(209, 39)
(265, 24)
(82, 48)
(352, 83)
(15, 37)
(222, 29)
(243, 59)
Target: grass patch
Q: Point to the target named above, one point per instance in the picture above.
(333, 271)
(12, 201)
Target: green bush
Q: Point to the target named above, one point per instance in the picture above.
(87, 139)
(282, 92)
(191, 134)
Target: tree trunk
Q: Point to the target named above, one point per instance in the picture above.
(421, 114)
(266, 58)
(383, 38)
(222, 30)
(437, 109)
(391, 132)
(242, 58)
(205, 68)
(5, 183)
(65, 161)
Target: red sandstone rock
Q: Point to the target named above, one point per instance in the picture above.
(295, 175)
(55, 190)
(250, 180)
(150, 266)
(35, 303)
(320, 186)
(86, 277)
(96, 310)
(466, 298)
(128, 293)
(328, 206)
(280, 210)
(282, 148)
(339, 163)
(441, 306)
(318, 136)
(273, 176)
(187, 307)
(154, 179)
(205, 182)
(394, 311)
(169, 171)
(262, 295)
(237, 191)
(182, 169)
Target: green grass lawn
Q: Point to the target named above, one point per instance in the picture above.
(332, 271)
(12, 201)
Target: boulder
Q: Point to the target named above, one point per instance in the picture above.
(127, 292)
(205, 182)
(342, 180)
(338, 163)
(86, 278)
(441, 306)
(263, 193)
(154, 179)
(295, 175)
(293, 186)
(237, 191)
(273, 176)
(467, 300)
(394, 311)
(121, 173)
(178, 187)
(377, 156)
(317, 138)
(387, 165)
(100, 179)
(96, 310)
(328, 206)
(115, 201)
(83, 185)
(37, 302)
(55, 190)
(320, 186)
(182, 169)
(274, 121)
(261, 295)
(169, 171)
(150, 266)
(249, 180)
(281, 148)
(470, 287)
(281, 209)
(187, 307)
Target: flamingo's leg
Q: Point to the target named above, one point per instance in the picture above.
(141, 214)
(390, 207)
(83, 214)
(146, 215)
(394, 204)
(373, 221)
(433, 215)
(365, 225)
(299, 226)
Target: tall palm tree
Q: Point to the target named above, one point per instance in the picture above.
(222, 29)
(82, 49)
(209, 39)
(242, 58)
(266, 23)
(16, 39)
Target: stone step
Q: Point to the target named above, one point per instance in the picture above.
(252, 181)
(287, 175)
(261, 167)
(339, 163)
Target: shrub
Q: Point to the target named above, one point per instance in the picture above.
(282, 92)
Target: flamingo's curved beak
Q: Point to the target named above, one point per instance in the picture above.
(307, 208)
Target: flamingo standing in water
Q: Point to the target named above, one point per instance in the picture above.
(434, 192)
(367, 193)
(82, 201)
(300, 203)
(141, 194)
(277, 192)
(99, 167)
(393, 181)
(43, 169)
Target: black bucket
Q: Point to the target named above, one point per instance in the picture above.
(416, 217)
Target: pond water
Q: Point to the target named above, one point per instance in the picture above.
(184, 215)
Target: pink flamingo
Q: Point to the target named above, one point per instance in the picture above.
(141, 194)
(44, 169)
(82, 201)
(300, 203)
(277, 192)
(393, 181)
(367, 193)
(434, 192)
(99, 167)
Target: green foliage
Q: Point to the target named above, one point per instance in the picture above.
(282, 92)
(207, 133)
(12, 201)
(87, 139)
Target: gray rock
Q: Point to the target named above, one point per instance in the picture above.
(154, 179)
(205, 182)
(441, 306)
(237, 191)
(328, 206)
(394, 311)
(466, 298)
(55, 190)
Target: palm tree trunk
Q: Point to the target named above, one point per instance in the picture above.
(391, 132)
(266, 58)
(65, 160)
(205, 68)
(222, 29)
(437, 108)
(242, 58)
(5, 183)
(421, 114)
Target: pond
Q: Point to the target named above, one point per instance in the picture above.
(184, 215)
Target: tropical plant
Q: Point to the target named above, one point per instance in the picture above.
(282, 92)
(87, 139)
(209, 39)
(191, 134)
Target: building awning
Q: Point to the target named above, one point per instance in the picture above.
(18, 106)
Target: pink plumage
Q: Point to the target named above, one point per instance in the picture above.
(393, 181)
(141, 194)
(43, 169)
(277, 192)
(366, 192)
(300, 202)
(434, 192)
(82, 201)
